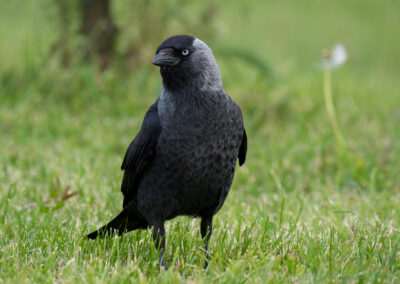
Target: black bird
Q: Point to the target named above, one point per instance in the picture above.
(183, 159)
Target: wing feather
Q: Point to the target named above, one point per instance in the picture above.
(243, 149)
(140, 153)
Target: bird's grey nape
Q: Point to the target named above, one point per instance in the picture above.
(204, 59)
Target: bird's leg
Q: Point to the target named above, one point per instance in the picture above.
(205, 230)
(159, 239)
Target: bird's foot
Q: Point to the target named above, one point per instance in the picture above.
(161, 260)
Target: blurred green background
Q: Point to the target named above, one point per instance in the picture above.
(299, 210)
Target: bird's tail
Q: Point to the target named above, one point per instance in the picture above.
(128, 220)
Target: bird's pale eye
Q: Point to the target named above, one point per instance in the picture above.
(185, 52)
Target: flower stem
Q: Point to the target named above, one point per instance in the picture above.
(331, 108)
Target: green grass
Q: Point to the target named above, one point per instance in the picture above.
(299, 210)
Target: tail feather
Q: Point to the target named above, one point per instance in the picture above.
(128, 220)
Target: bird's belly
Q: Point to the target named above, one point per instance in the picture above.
(199, 171)
(191, 173)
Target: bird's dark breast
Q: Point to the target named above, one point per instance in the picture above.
(195, 163)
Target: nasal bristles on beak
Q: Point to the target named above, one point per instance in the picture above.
(165, 57)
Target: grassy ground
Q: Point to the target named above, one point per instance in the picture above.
(299, 210)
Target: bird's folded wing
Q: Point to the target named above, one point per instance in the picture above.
(243, 149)
(140, 153)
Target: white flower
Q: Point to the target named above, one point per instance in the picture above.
(332, 59)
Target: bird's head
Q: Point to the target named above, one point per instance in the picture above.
(187, 62)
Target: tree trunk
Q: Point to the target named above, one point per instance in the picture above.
(97, 26)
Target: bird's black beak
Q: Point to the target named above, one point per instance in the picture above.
(165, 57)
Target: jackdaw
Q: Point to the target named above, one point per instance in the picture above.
(183, 159)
